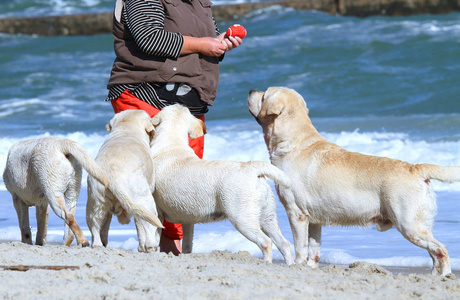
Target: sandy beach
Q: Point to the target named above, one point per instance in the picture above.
(58, 272)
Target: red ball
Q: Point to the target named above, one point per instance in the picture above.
(237, 30)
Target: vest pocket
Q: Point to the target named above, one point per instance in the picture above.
(185, 66)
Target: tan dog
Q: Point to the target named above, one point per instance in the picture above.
(190, 190)
(47, 172)
(332, 186)
(125, 158)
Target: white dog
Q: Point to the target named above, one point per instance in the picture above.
(47, 172)
(332, 186)
(125, 158)
(190, 190)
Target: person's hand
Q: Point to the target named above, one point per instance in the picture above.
(210, 46)
(213, 47)
(231, 42)
(206, 45)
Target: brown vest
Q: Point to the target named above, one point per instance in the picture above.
(188, 17)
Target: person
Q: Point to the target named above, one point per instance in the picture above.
(167, 52)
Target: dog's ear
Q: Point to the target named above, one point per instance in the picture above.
(203, 127)
(271, 107)
(197, 128)
(109, 126)
(156, 120)
(149, 127)
(274, 101)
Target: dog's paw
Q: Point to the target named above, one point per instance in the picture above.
(313, 263)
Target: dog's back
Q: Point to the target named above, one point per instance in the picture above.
(46, 172)
(34, 165)
(191, 190)
(126, 159)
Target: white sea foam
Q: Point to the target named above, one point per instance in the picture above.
(16, 106)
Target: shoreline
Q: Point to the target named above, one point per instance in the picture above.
(8, 221)
(116, 273)
(395, 270)
(87, 273)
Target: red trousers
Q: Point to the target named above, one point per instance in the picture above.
(128, 101)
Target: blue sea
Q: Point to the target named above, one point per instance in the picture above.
(385, 86)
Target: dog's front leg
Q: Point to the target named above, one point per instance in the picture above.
(298, 221)
(314, 243)
(187, 241)
(299, 225)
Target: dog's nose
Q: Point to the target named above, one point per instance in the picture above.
(252, 91)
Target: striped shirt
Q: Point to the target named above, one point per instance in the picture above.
(145, 21)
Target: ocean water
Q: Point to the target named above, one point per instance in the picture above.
(385, 86)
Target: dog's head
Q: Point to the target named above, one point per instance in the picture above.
(274, 102)
(283, 116)
(178, 115)
(131, 117)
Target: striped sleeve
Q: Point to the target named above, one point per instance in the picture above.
(145, 20)
(217, 28)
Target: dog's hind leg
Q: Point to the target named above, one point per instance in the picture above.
(146, 234)
(59, 208)
(269, 225)
(98, 217)
(99, 228)
(248, 226)
(22, 210)
(437, 251)
(68, 233)
(71, 197)
(187, 241)
(414, 218)
(104, 231)
(415, 224)
(42, 214)
(141, 234)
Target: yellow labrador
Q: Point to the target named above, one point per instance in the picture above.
(190, 190)
(332, 186)
(125, 158)
(47, 172)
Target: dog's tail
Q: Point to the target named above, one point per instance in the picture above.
(87, 162)
(444, 174)
(270, 171)
(134, 208)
